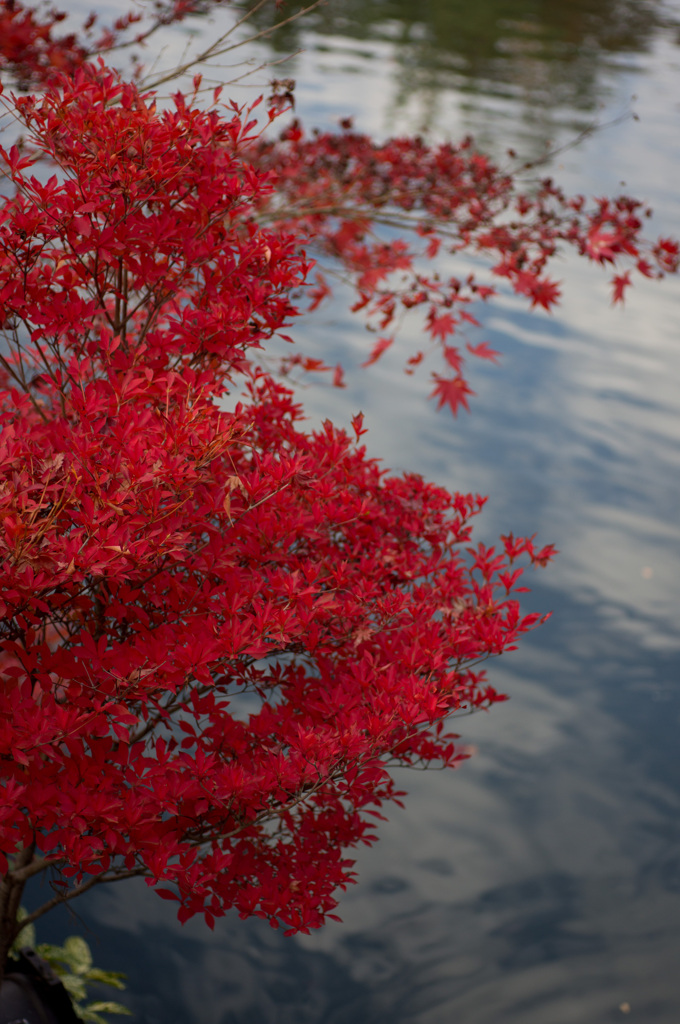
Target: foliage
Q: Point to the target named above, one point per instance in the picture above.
(73, 964)
(338, 190)
(219, 630)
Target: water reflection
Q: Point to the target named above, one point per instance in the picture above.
(560, 56)
(562, 945)
(541, 882)
(474, 35)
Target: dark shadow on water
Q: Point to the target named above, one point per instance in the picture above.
(549, 948)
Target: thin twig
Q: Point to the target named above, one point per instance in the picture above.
(78, 890)
(218, 49)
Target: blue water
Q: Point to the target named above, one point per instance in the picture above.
(540, 883)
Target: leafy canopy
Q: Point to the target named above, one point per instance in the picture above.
(219, 630)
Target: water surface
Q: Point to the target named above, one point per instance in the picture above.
(540, 882)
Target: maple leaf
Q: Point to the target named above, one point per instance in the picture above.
(312, 365)
(645, 268)
(318, 293)
(620, 282)
(602, 246)
(380, 346)
(542, 291)
(127, 561)
(484, 351)
(453, 357)
(442, 326)
(358, 425)
(451, 391)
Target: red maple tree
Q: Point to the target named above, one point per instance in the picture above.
(218, 630)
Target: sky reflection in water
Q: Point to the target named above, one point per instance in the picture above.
(541, 882)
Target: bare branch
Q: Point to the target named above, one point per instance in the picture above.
(78, 890)
(222, 45)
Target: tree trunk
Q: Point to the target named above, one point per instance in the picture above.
(11, 891)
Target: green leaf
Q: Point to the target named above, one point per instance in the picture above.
(91, 1013)
(26, 936)
(90, 1017)
(72, 962)
(109, 1006)
(75, 987)
(78, 952)
(112, 978)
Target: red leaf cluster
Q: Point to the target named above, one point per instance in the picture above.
(34, 52)
(217, 630)
(348, 192)
(29, 47)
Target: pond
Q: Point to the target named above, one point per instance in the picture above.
(541, 881)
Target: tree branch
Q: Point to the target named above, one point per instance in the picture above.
(78, 890)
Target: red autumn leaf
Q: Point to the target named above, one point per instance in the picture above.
(484, 351)
(543, 293)
(380, 346)
(211, 613)
(451, 391)
(442, 326)
(620, 282)
(602, 245)
(319, 292)
(453, 358)
(166, 894)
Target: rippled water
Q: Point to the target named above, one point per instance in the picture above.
(541, 882)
